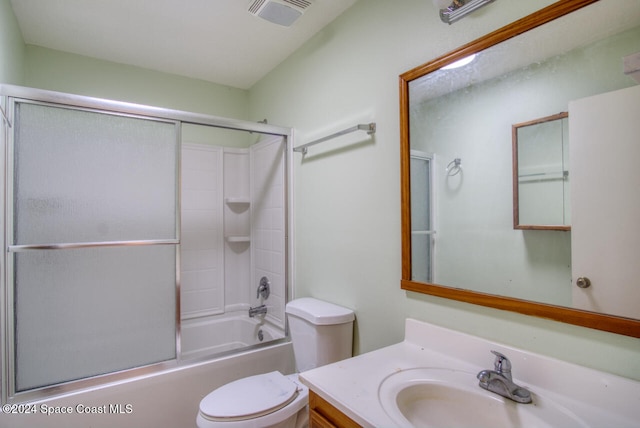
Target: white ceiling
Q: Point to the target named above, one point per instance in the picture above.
(213, 40)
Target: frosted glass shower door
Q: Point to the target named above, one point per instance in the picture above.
(92, 244)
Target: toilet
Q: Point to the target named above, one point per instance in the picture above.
(321, 333)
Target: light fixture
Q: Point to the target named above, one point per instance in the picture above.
(281, 12)
(458, 8)
(459, 63)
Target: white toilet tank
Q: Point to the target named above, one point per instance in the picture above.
(321, 332)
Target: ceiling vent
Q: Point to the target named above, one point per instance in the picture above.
(281, 12)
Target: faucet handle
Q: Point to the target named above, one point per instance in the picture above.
(264, 288)
(502, 364)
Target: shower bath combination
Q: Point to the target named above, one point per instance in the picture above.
(211, 226)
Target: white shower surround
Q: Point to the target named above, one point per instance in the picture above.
(233, 234)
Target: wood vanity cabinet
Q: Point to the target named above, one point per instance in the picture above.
(323, 415)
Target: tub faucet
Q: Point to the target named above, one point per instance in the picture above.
(258, 310)
(499, 381)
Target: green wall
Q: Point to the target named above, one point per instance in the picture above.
(347, 191)
(11, 46)
(76, 74)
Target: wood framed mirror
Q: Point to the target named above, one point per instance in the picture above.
(502, 288)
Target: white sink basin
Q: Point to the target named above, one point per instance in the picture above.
(439, 397)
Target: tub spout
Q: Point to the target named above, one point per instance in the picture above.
(258, 310)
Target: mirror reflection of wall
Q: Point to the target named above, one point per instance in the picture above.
(463, 113)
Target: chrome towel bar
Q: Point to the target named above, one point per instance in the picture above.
(369, 127)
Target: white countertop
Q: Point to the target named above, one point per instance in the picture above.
(598, 398)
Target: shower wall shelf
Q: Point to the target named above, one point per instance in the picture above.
(238, 238)
(237, 200)
(369, 127)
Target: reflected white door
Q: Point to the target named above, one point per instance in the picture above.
(604, 135)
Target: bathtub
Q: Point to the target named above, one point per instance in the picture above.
(218, 334)
(168, 399)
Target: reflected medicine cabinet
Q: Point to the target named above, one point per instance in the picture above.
(541, 174)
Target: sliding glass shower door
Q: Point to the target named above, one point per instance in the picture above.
(93, 235)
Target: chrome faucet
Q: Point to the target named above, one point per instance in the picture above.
(258, 310)
(499, 381)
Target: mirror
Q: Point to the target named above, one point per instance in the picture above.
(560, 58)
(541, 174)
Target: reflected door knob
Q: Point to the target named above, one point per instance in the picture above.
(583, 282)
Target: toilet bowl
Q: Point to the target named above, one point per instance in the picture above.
(265, 400)
(321, 333)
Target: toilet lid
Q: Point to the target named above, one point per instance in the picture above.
(249, 397)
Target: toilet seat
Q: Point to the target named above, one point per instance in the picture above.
(249, 398)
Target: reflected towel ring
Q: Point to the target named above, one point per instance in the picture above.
(455, 169)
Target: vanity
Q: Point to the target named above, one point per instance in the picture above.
(429, 379)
